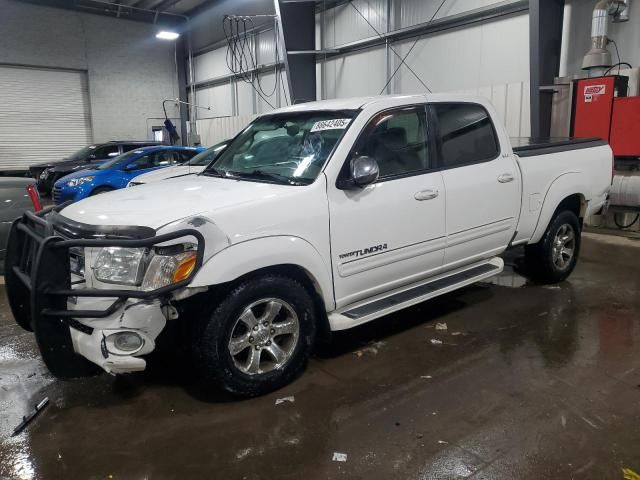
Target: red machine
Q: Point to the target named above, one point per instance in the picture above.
(602, 109)
(625, 128)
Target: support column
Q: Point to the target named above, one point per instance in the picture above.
(297, 33)
(545, 43)
(182, 56)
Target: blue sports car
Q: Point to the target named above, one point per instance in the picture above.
(116, 173)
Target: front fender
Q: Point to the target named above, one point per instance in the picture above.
(246, 257)
(567, 184)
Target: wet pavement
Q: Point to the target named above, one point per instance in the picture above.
(529, 382)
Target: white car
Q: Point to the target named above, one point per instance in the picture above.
(196, 165)
(315, 218)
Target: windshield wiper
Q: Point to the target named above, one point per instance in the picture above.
(212, 172)
(275, 177)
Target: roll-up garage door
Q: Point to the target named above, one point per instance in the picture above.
(44, 115)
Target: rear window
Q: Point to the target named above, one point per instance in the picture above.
(466, 133)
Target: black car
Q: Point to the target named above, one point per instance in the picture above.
(46, 174)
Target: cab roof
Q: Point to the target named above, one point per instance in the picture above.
(356, 103)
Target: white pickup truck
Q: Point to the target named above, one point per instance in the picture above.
(317, 217)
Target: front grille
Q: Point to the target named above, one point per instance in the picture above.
(57, 194)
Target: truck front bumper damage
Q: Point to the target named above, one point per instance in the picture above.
(78, 328)
(95, 339)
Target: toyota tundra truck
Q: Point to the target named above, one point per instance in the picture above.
(316, 218)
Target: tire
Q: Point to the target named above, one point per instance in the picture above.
(554, 257)
(100, 190)
(280, 301)
(56, 347)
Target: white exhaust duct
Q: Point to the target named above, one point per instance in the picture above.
(599, 56)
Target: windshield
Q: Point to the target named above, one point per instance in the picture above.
(83, 153)
(288, 148)
(119, 159)
(209, 155)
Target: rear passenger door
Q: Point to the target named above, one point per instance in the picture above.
(482, 183)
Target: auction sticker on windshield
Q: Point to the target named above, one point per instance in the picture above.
(335, 124)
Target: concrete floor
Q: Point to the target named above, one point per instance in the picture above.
(529, 383)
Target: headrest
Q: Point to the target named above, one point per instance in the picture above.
(393, 137)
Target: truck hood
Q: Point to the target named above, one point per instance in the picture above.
(160, 203)
(166, 173)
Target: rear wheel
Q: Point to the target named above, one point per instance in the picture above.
(258, 338)
(554, 257)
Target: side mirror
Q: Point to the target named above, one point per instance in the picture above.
(364, 170)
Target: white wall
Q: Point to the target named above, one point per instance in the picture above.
(129, 71)
(237, 96)
(577, 36)
(489, 58)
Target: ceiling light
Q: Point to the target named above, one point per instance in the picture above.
(165, 35)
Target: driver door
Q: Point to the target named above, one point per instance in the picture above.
(390, 233)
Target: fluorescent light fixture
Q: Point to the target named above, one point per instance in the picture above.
(165, 35)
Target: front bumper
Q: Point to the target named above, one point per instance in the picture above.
(72, 322)
(63, 194)
(90, 337)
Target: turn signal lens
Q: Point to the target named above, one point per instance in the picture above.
(185, 268)
(165, 270)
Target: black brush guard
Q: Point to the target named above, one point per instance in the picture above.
(38, 284)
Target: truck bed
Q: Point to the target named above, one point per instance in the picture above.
(530, 146)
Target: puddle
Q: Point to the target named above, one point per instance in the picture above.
(508, 278)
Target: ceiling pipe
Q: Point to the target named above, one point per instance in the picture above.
(623, 14)
(598, 56)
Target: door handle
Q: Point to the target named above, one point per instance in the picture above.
(426, 195)
(506, 178)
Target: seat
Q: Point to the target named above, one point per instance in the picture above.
(392, 152)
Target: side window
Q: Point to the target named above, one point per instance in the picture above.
(141, 163)
(127, 147)
(185, 155)
(164, 158)
(109, 151)
(397, 140)
(466, 134)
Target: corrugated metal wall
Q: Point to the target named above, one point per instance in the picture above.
(213, 65)
(343, 24)
(215, 130)
(412, 12)
(479, 55)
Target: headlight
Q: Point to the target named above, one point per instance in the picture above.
(44, 174)
(119, 265)
(139, 266)
(74, 182)
(133, 184)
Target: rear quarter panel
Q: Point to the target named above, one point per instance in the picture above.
(550, 178)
